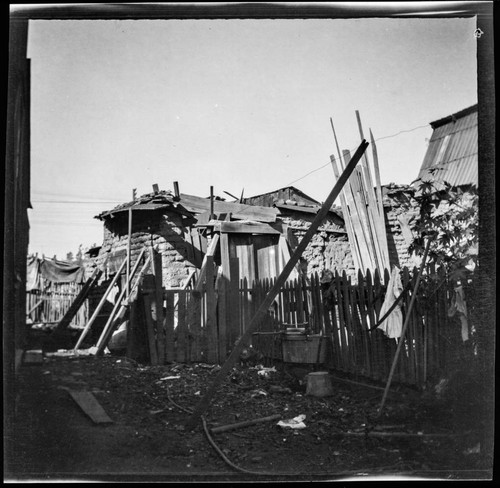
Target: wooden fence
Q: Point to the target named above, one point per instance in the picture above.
(203, 326)
(346, 314)
(49, 306)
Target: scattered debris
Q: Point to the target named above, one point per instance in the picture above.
(246, 423)
(473, 450)
(33, 357)
(266, 372)
(296, 423)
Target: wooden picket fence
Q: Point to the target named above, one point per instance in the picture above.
(345, 312)
(49, 306)
(203, 325)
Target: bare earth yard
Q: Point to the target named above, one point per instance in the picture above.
(149, 406)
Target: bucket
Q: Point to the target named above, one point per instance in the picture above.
(319, 384)
(299, 348)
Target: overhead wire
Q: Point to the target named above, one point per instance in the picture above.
(376, 140)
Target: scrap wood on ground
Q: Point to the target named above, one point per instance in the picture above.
(138, 397)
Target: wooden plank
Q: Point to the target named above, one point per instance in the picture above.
(212, 248)
(249, 228)
(90, 406)
(368, 346)
(284, 257)
(357, 214)
(119, 309)
(181, 332)
(169, 326)
(222, 317)
(233, 304)
(383, 231)
(246, 423)
(78, 301)
(224, 255)
(264, 306)
(342, 327)
(346, 213)
(373, 209)
(239, 211)
(351, 344)
(99, 306)
(212, 356)
(157, 303)
(195, 327)
(331, 326)
(34, 356)
(153, 352)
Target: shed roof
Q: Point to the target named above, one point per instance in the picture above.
(152, 201)
(238, 211)
(452, 152)
(286, 193)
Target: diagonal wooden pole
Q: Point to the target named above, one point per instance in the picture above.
(405, 326)
(204, 402)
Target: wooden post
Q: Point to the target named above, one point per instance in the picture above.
(222, 300)
(211, 329)
(129, 241)
(405, 326)
(177, 195)
(101, 304)
(211, 203)
(169, 326)
(262, 310)
(157, 301)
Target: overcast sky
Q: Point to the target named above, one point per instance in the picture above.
(236, 104)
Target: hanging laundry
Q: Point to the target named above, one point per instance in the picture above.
(458, 306)
(392, 326)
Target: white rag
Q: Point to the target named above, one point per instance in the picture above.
(392, 326)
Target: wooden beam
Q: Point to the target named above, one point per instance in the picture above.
(156, 261)
(246, 423)
(211, 329)
(242, 228)
(101, 304)
(110, 324)
(78, 301)
(358, 216)
(405, 326)
(383, 231)
(212, 248)
(90, 406)
(264, 307)
(347, 220)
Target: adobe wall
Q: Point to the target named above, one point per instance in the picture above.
(329, 248)
(164, 231)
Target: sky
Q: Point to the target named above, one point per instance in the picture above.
(242, 105)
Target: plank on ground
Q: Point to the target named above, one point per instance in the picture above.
(90, 406)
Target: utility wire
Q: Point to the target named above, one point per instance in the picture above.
(379, 139)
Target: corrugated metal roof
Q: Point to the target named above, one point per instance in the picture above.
(452, 152)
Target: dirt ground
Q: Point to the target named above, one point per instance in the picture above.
(416, 437)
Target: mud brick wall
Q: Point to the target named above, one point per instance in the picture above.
(329, 248)
(398, 222)
(162, 230)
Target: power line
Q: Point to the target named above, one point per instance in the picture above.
(72, 201)
(379, 139)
